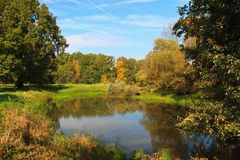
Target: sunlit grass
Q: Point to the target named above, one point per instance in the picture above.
(73, 91)
(32, 94)
(171, 98)
(35, 95)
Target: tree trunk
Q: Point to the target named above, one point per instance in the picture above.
(19, 84)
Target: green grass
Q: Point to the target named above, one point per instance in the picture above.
(35, 95)
(58, 92)
(171, 98)
(73, 91)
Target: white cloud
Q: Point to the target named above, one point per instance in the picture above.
(148, 21)
(134, 1)
(123, 2)
(93, 18)
(77, 24)
(92, 40)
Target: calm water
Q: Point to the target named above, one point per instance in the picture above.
(133, 125)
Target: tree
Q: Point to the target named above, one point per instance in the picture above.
(68, 73)
(126, 69)
(29, 40)
(164, 67)
(215, 57)
(121, 68)
(84, 68)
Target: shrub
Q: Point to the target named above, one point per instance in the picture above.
(83, 147)
(122, 89)
(20, 129)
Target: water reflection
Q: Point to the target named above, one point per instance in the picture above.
(132, 125)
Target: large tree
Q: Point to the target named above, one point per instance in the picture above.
(214, 26)
(29, 41)
(164, 66)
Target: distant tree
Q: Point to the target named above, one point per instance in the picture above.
(121, 68)
(68, 73)
(164, 67)
(126, 69)
(29, 41)
(91, 68)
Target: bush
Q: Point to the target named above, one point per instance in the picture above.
(20, 130)
(83, 147)
(121, 89)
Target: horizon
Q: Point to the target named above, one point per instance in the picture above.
(111, 27)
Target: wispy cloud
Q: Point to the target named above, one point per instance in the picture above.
(103, 10)
(77, 24)
(134, 1)
(92, 40)
(148, 21)
(123, 2)
(97, 6)
(96, 18)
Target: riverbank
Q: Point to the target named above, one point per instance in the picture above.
(30, 111)
(35, 95)
(28, 124)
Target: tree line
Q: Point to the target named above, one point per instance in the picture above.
(32, 50)
(163, 67)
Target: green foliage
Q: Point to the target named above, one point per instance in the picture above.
(29, 40)
(84, 68)
(164, 67)
(85, 147)
(127, 70)
(163, 154)
(213, 119)
(215, 65)
(138, 155)
(68, 73)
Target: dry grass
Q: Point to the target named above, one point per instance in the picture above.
(21, 129)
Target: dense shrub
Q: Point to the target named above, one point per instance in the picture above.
(20, 131)
(83, 147)
(121, 89)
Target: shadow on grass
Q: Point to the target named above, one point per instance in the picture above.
(10, 98)
(33, 87)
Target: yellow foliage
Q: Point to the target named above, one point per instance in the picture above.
(121, 70)
(164, 66)
(104, 79)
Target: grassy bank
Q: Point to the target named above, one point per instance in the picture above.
(35, 95)
(171, 98)
(27, 128)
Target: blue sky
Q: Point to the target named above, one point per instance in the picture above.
(113, 27)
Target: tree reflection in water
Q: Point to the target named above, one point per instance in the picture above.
(132, 125)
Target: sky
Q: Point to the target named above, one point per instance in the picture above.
(114, 27)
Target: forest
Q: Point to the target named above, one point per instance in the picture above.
(196, 68)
